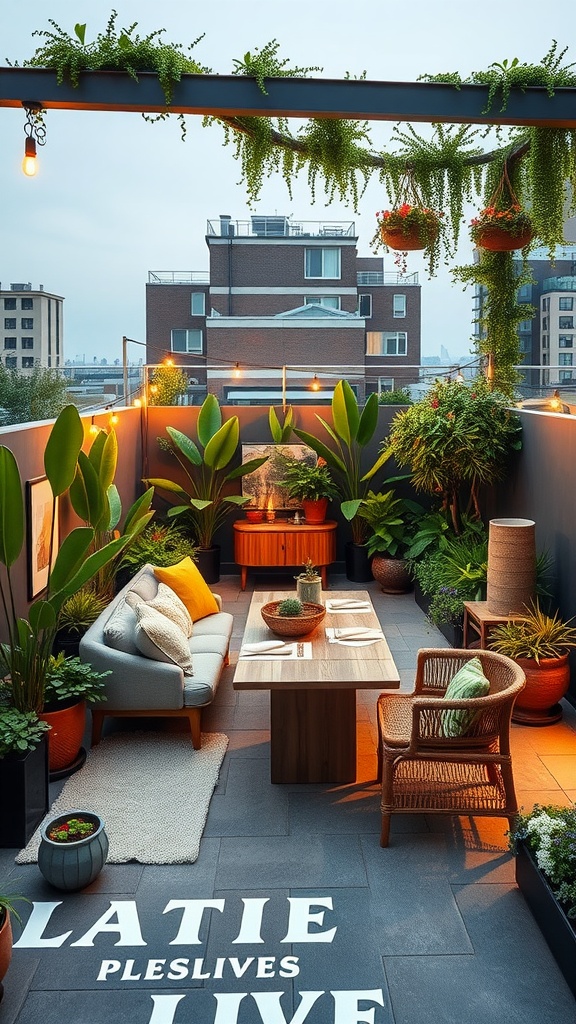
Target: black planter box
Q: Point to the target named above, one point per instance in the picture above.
(24, 794)
(555, 926)
(453, 633)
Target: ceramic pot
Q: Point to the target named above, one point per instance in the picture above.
(414, 237)
(73, 866)
(315, 510)
(357, 559)
(254, 515)
(309, 590)
(208, 562)
(498, 240)
(68, 721)
(546, 683)
(511, 574)
(391, 574)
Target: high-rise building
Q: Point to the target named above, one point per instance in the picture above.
(32, 322)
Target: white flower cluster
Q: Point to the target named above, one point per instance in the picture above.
(543, 828)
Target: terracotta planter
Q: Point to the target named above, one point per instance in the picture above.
(315, 510)
(391, 574)
(546, 684)
(5, 948)
(498, 240)
(415, 237)
(68, 721)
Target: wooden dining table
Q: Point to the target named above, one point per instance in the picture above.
(313, 699)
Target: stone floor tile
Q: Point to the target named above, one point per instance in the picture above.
(348, 809)
(249, 743)
(251, 806)
(527, 798)
(296, 860)
(562, 767)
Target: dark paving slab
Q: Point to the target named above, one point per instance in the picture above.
(276, 862)
(250, 806)
(350, 809)
(249, 937)
(17, 982)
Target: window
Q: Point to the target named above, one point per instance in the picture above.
(27, 303)
(9, 303)
(186, 341)
(27, 342)
(386, 343)
(11, 362)
(322, 263)
(197, 300)
(565, 303)
(27, 323)
(365, 305)
(565, 375)
(399, 306)
(545, 323)
(525, 294)
(9, 342)
(385, 384)
(566, 340)
(545, 341)
(565, 359)
(566, 323)
(9, 323)
(525, 325)
(330, 301)
(27, 362)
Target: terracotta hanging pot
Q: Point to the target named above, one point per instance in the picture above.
(409, 237)
(496, 239)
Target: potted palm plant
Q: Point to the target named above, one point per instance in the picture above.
(313, 486)
(388, 518)
(351, 431)
(540, 644)
(206, 504)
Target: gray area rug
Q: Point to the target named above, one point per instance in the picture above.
(153, 791)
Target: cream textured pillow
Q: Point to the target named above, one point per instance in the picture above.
(167, 603)
(158, 638)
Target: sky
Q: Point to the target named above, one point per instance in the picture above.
(116, 197)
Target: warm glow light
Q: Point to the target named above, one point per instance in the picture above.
(237, 372)
(153, 389)
(270, 513)
(168, 361)
(315, 383)
(93, 428)
(29, 165)
(113, 419)
(137, 402)
(556, 402)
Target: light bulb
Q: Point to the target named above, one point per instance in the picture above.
(113, 419)
(29, 165)
(137, 402)
(315, 384)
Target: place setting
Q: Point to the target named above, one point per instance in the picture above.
(267, 650)
(354, 636)
(342, 605)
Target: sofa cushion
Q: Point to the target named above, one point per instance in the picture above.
(120, 630)
(202, 688)
(191, 587)
(160, 639)
(468, 682)
(167, 603)
(144, 583)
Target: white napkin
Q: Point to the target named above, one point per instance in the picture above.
(264, 647)
(354, 633)
(348, 603)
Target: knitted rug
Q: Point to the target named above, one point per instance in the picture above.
(152, 790)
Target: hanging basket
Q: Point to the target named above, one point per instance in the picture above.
(496, 239)
(410, 236)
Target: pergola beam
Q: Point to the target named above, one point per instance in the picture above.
(238, 96)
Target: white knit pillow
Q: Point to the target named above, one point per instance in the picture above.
(167, 603)
(158, 638)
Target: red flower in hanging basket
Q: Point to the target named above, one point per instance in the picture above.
(409, 227)
(502, 230)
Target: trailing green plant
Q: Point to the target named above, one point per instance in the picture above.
(80, 610)
(397, 396)
(290, 607)
(308, 483)
(8, 905)
(351, 431)
(457, 438)
(160, 544)
(70, 677)
(206, 504)
(537, 635)
(550, 834)
(20, 731)
(166, 385)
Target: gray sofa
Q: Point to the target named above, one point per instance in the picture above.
(141, 686)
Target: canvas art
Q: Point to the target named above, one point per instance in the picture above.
(264, 486)
(39, 510)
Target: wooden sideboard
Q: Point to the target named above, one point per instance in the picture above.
(283, 543)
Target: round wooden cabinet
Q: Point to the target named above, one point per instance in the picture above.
(283, 543)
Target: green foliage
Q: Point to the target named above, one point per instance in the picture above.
(167, 383)
(457, 437)
(351, 432)
(398, 396)
(447, 605)
(7, 905)
(81, 609)
(310, 574)
(290, 607)
(25, 397)
(159, 544)
(550, 833)
(307, 482)
(280, 431)
(206, 468)
(19, 731)
(462, 564)
(388, 519)
(536, 636)
(70, 677)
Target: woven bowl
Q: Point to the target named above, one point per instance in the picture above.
(298, 625)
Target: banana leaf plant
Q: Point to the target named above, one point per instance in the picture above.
(25, 656)
(351, 432)
(206, 504)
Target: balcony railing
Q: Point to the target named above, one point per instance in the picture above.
(377, 277)
(278, 227)
(178, 277)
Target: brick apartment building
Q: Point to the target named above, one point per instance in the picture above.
(32, 322)
(281, 294)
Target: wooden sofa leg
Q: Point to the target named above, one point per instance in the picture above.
(385, 833)
(97, 723)
(194, 717)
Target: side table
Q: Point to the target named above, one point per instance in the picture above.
(480, 620)
(283, 543)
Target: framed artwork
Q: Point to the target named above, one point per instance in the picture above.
(263, 485)
(39, 510)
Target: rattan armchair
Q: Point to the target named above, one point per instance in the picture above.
(423, 770)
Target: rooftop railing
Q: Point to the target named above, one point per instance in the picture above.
(178, 277)
(376, 277)
(278, 227)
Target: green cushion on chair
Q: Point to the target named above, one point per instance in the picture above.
(469, 681)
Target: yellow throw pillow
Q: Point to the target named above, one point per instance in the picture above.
(191, 587)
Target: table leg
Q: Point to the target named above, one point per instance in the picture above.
(323, 576)
(243, 576)
(313, 736)
(465, 629)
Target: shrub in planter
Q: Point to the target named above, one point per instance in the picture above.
(69, 684)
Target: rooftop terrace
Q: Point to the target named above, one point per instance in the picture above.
(435, 923)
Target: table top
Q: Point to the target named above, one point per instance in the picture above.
(332, 666)
(479, 610)
(282, 525)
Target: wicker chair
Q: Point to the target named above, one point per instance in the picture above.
(421, 769)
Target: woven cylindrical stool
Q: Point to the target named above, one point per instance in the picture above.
(511, 566)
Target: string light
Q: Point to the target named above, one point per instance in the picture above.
(113, 419)
(137, 403)
(35, 133)
(237, 372)
(93, 428)
(556, 402)
(315, 383)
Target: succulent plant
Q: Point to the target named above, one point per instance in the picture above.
(290, 607)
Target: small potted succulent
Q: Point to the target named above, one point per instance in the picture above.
(309, 583)
(292, 617)
(73, 849)
(540, 644)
